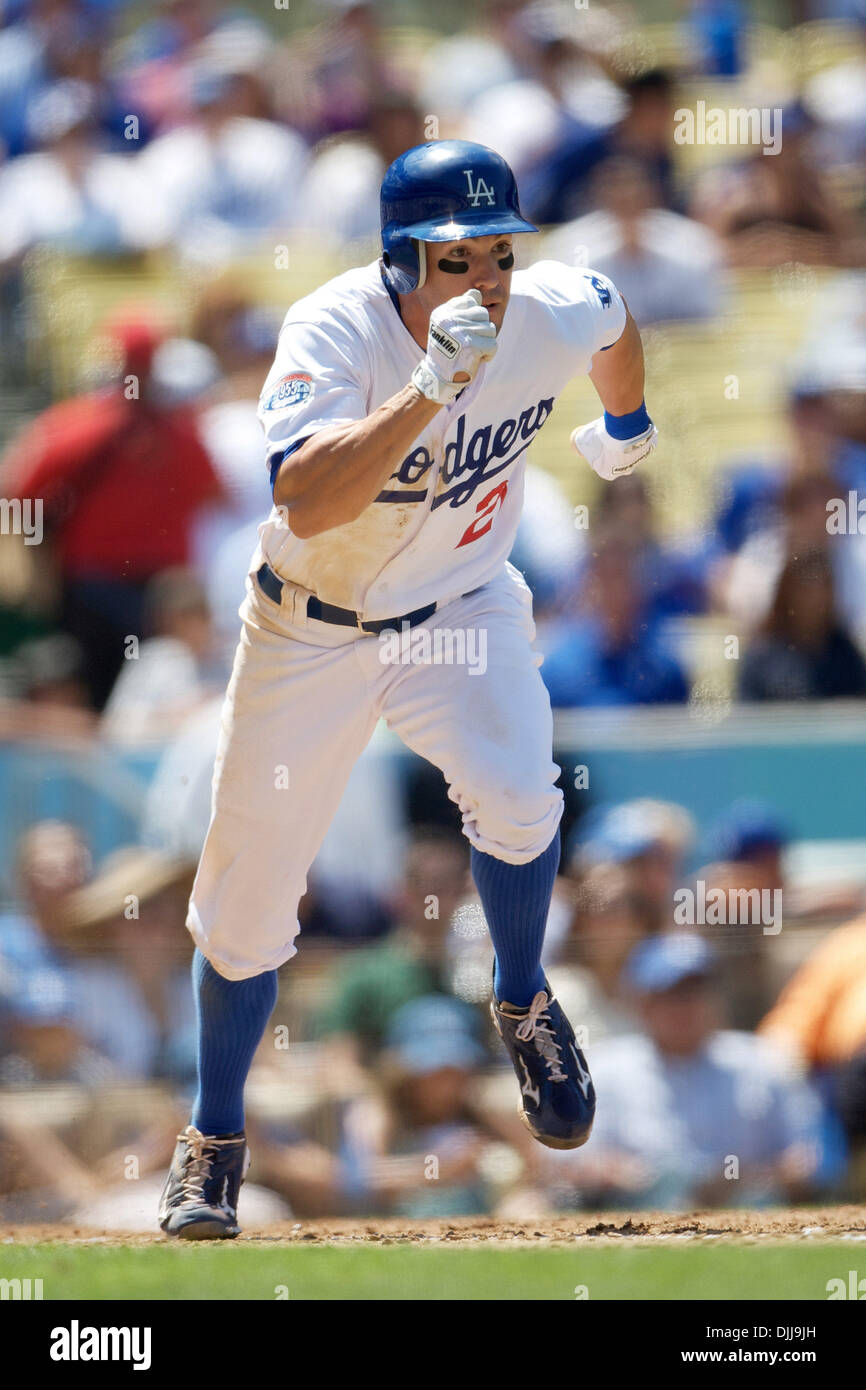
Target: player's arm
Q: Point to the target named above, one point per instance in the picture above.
(339, 471)
(614, 444)
(618, 372)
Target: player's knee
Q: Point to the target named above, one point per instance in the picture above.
(238, 956)
(517, 823)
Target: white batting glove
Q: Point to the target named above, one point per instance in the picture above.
(612, 458)
(461, 337)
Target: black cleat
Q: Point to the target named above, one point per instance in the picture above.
(200, 1197)
(558, 1105)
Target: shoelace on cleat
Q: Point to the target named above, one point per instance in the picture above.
(535, 1027)
(197, 1163)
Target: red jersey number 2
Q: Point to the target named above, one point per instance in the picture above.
(486, 511)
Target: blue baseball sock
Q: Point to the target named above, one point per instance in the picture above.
(516, 901)
(232, 1015)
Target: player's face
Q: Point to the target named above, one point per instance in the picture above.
(488, 262)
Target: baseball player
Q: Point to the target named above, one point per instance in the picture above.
(398, 413)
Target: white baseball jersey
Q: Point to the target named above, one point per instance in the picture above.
(446, 520)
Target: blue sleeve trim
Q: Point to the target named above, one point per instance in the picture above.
(276, 460)
(627, 426)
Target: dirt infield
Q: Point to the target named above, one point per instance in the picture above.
(771, 1225)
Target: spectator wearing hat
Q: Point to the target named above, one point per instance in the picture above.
(111, 948)
(693, 1114)
(647, 840)
(416, 1148)
(747, 848)
(751, 831)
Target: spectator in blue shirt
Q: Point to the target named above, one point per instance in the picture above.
(613, 653)
(694, 1114)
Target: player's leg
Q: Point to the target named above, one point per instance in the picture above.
(486, 722)
(296, 717)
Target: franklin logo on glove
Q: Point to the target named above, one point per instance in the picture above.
(443, 341)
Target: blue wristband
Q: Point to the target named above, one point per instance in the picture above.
(627, 426)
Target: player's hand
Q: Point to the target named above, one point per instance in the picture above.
(612, 458)
(461, 337)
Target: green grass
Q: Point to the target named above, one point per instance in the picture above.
(404, 1271)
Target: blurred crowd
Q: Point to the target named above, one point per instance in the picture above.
(726, 1075)
(202, 134)
(202, 126)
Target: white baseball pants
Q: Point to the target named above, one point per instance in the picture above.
(301, 705)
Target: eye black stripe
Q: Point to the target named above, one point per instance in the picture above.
(454, 267)
(507, 261)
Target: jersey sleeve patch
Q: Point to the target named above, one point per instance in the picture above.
(609, 313)
(602, 290)
(292, 389)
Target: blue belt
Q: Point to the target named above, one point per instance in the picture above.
(272, 586)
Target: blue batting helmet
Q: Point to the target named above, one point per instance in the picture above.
(439, 192)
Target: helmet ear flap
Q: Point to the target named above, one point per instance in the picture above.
(421, 252)
(405, 265)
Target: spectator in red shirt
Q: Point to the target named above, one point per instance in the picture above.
(122, 474)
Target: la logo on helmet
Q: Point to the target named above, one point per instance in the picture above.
(480, 189)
